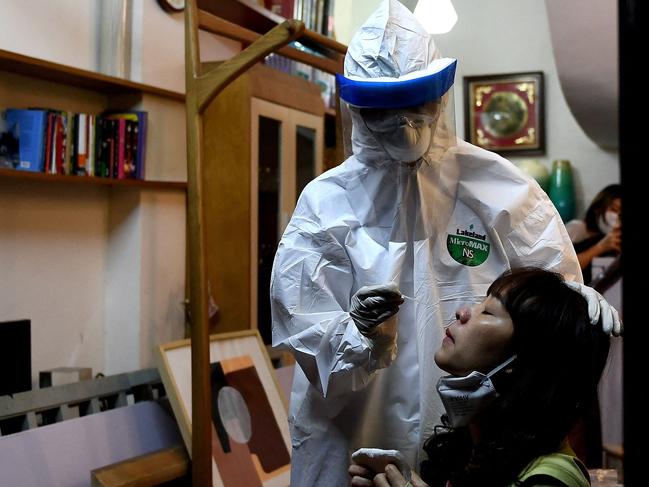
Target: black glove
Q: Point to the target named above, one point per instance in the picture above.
(372, 305)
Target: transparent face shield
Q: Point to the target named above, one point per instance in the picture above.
(426, 131)
(386, 121)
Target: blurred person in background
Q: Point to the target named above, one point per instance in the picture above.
(599, 234)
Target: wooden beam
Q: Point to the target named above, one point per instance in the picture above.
(201, 446)
(210, 84)
(286, 90)
(325, 41)
(201, 90)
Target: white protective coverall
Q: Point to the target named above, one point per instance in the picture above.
(442, 227)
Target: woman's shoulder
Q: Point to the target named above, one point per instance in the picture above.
(577, 230)
(561, 468)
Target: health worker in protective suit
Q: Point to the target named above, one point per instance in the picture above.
(382, 250)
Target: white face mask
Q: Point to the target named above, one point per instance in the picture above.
(608, 221)
(464, 397)
(405, 136)
(407, 144)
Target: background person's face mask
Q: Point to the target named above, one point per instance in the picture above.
(608, 221)
(404, 135)
(464, 397)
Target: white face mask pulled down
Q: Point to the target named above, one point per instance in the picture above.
(464, 397)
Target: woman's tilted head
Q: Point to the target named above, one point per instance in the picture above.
(560, 356)
(478, 340)
(529, 312)
(559, 350)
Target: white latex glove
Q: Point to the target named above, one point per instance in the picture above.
(373, 305)
(598, 308)
(376, 459)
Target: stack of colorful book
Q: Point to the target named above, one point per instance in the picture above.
(111, 145)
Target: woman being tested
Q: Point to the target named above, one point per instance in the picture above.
(524, 363)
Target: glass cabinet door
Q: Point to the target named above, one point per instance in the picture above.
(308, 130)
(286, 155)
(268, 209)
(305, 155)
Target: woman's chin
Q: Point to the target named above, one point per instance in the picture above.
(441, 359)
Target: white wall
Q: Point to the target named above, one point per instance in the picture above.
(505, 36)
(144, 276)
(163, 47)
(59, 31)
(591, 85)
(122, 278)
(52, 255)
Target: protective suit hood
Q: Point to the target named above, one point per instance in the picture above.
(394, 71)
(391, 43)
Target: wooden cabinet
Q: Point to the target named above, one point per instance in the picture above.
(263, 137)
(98, 265)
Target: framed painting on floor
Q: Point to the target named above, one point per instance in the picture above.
(250, 439)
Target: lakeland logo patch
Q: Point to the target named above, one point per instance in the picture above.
(468, 247)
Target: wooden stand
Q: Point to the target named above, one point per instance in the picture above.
(202, 88)
(203, 84)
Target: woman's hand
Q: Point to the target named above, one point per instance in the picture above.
(361, 476)
(393, 478)
(612, 241)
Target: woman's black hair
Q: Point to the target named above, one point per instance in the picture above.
(560, 359)
(600, 203)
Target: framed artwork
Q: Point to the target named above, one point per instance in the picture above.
(250, 438)
(504, 112)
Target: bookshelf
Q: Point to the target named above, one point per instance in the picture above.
(97, 264)
(245, 21)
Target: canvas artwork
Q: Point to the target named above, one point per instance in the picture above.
(250, 438)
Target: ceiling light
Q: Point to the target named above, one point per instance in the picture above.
(437, 16)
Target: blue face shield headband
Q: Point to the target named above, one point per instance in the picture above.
(399, 92)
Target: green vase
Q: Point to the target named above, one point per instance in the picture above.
(562, 189)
